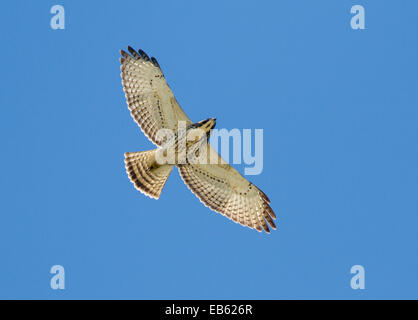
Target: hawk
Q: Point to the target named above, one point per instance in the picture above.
(218, 185)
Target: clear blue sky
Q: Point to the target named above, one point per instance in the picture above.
(339, 109)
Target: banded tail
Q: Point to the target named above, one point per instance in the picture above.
(145, 173)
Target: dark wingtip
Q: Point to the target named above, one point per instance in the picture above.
(130, 49)
(272, 224)
(155, 62)
(264, 196)
(269, 211)
(143, 55)
(124, 53)
(265, 227)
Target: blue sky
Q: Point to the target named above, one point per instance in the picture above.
(339, 110)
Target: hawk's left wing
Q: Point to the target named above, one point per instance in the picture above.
(150, 99)
(224, 190)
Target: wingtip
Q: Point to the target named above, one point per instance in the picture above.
(266, 228)
(264, 196)
(124, 54)
(143, 55)
(155, 62)
(132, 51)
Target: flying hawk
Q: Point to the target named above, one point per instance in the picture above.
(218, 185)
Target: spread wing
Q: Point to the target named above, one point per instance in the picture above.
(149, 98)
(224, 190)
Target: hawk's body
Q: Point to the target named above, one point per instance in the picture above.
(218, 185)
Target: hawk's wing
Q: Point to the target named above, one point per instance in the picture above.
(225, 190)
(150, 99)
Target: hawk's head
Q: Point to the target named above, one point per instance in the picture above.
(200, 131)
(204, 125)
(207, 124)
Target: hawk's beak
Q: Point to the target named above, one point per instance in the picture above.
(209, 124)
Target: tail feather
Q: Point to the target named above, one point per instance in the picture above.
(145, 173)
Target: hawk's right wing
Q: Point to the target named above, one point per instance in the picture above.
(224, 190)
(150, 99)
